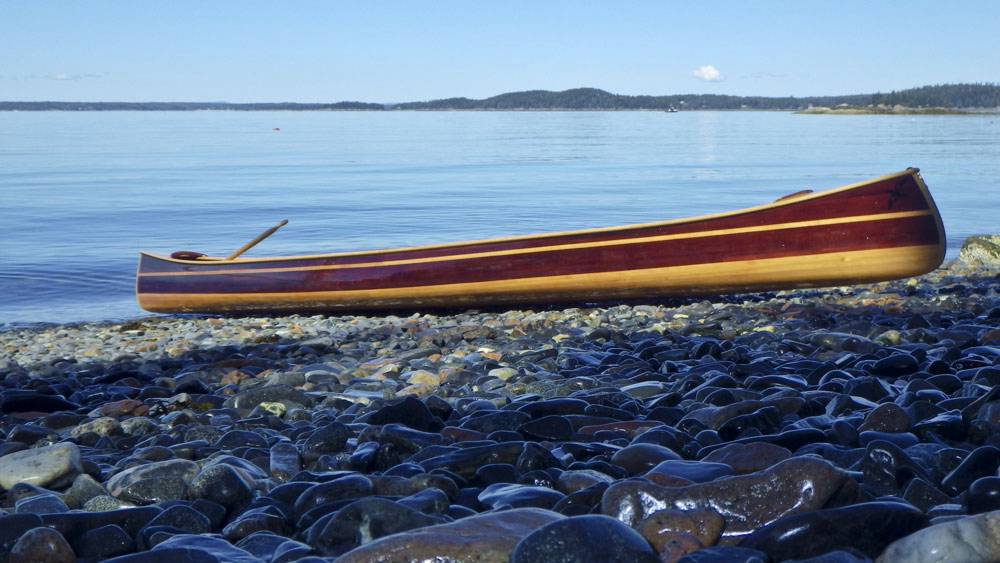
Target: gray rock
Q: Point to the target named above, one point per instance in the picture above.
(154, 482)
(40, 466)
(981, 250)
(84, 488)
(975, 539)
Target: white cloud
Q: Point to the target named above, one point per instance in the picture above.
(708, 73)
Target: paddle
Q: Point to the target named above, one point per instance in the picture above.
(259, 238)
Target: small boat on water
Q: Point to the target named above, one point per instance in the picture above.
(880, 229)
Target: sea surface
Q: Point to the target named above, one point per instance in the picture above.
(82, 193)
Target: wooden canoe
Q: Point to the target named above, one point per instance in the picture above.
(881, 229)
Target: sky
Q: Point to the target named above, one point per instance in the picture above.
(389, 51)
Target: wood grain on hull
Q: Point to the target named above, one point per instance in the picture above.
(747, 275)
(893, 216)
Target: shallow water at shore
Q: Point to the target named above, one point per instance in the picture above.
(82, 193)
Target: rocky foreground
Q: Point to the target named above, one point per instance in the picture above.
(841, 425)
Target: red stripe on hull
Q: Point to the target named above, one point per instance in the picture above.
(866, 235)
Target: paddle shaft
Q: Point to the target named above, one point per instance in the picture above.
(255, 241)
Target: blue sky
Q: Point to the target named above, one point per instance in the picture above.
(401, 51)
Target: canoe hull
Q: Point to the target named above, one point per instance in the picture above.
(883, 229)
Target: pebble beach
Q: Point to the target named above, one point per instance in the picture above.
(843, 424)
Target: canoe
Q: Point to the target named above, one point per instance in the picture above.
(880, 229)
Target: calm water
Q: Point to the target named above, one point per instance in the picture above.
(82, 193)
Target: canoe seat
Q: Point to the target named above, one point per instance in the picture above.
(186, 255)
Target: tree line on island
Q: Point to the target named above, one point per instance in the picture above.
(951, 96)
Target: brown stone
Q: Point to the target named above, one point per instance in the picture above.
(676, 545)
(747, 502)
(704, 524)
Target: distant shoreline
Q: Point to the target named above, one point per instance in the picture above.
(925, 100)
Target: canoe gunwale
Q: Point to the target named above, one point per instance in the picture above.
(542, 236)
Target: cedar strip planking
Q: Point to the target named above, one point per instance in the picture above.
(865, 235)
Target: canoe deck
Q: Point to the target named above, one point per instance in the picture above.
(885, 228)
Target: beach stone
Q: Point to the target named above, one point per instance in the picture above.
(153, 482)
(975, 539)
(103, 542)
(40, 466)
(983, 495)
(267, 519)
(703, 524)
(725, 554)
(32, 402)
(349, 486)
(867, 527)
(104, 503)
(197, 548)
(41, 504)
(184, 518)
(104, 426)
(640, 458)
(484, 538)
(750, 457)
(364, 521)
(675, 545)
(245, 401)
(981, 462)
(327, 439)
(519, 496)
(42, 545)
(409, 411)
(887, 417)
(222, 484)
(981, 250)
(84, 488)
(584, 538)
(747, 502)
(577, 480)
(694, 471)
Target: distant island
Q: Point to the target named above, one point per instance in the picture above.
(936, 99)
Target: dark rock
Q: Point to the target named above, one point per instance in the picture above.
(42, 545)
(726, 554)
(749, 458)
(640, 458)
(486, 538)
(222, 484)
(349, 486)
(983, 495)
(584, 538)
(793, 486)
(409, 412)
(981, 462)
(694, 471)
(328, 439)
(364, 521)
(888, 469)
(518, 496)
(867, 527)
(103, 542)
